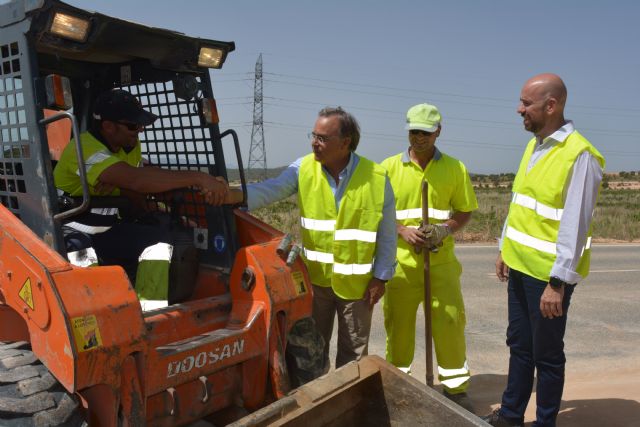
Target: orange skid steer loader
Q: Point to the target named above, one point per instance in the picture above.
(75, 345)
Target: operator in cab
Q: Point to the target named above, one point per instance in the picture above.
(113, 160)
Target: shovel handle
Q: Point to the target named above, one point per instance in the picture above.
(428, 341)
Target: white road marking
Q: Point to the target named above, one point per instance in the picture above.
(613, 271)
(592, 271)
(599, 245)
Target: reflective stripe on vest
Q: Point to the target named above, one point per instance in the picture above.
(352, 269)
(94, 159)
(343, 234)
(318, 224)
(355, 234)
(417, 214)
(538, 244)
(530, 241)
(540, 208)
(323, 257)
(345, 269)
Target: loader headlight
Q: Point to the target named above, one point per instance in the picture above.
(69, 27)
(210, 57)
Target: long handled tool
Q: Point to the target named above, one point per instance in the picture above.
(428, 342)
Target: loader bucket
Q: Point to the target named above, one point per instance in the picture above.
(370, 392)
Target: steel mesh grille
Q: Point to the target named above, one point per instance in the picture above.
(14, 133)
(176, 140)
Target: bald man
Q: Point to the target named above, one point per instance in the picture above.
(545, 249)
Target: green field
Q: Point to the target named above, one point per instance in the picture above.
(617, 216)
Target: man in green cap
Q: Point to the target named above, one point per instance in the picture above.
(451, 201)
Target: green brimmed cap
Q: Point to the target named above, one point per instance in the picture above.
(424, 117)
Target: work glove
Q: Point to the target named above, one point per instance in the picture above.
(434, 234)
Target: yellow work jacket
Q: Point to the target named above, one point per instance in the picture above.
(536, 208)
(339, 247)
(450, 190)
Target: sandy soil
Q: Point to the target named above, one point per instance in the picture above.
(611, 401)
(628, 185)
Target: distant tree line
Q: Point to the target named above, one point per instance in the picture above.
(478, 179)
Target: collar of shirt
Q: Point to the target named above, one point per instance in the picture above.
(545, 145)
(557, 137)
(406, 158)
(97, 135)
(345, 174)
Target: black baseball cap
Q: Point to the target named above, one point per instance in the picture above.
(119, 105)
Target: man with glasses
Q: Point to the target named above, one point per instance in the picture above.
(451, 201)
(113, 160)
(347, 226)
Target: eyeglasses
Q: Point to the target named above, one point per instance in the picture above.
(419, 132)
(320, 138)
(131, 126)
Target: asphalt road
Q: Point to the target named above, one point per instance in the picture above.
(601, 344)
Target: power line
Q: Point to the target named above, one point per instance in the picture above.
(476, 122)
(510, 101)
(413, 90)
(465, 142)
(379, 94)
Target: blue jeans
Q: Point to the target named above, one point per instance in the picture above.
(534, 343)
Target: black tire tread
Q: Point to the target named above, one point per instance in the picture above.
(304, 352)
(30, 396)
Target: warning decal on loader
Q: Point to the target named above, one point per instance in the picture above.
(86, 332)
(26, 294)
(298, 280)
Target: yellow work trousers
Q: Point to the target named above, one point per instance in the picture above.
(152, 277)
(400, 305)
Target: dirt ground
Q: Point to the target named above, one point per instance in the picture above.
(628, 185)
(586, 401)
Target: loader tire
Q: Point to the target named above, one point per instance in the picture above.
(29, 395)
(304, 353)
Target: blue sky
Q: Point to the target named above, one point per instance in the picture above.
(378, 58)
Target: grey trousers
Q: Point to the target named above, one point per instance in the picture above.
(354, 324)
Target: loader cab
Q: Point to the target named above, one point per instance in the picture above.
(55, 57)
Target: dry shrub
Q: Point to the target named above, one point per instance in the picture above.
(617, 216)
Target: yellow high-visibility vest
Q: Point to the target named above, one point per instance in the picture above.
(450, 190)
(339, 247)
(536, 209)
(97, 158)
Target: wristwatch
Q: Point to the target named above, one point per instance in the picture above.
(556, 283)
